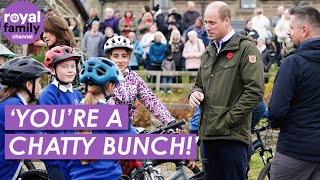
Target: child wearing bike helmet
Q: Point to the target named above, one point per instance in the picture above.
(21, 79)
(5, 54)
(62, 61)
(100, 75)
(118, 49)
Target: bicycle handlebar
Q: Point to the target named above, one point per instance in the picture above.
(262, 128)
(174, 125)
(159, 130)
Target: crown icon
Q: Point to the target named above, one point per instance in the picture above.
(14, 17)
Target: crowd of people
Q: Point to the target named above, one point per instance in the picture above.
(228, 90)
(186, 48)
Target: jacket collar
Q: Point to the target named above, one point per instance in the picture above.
(22, 99)
(233, 44)
(61, 87)
(219, 45)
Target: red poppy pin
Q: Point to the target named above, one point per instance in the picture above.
(229, 55)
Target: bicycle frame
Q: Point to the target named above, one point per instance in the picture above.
(150, 169)
(132, 168)
(259, 143)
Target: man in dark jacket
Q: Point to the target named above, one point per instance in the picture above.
(295, 103)
(228, 87)
(190, 16)
(158, 17)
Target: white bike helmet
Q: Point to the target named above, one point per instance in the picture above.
(118, 42)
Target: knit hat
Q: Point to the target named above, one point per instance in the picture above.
(156, 8)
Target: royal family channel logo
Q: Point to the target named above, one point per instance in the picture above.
(22, 22)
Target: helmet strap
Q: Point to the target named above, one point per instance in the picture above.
(31, 94)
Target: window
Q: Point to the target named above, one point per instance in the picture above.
(162, 3)
(247, 4)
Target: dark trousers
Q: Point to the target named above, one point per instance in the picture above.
(278, 57)
(224, 159)
(178, 79)
(192, 79)
(153, 67)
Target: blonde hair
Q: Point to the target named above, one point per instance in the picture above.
(258, 11)
(158, 34)
(171, 36)
(95, 11)
(90, 98)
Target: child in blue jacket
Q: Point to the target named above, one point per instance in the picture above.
(21, 80)
(62, 60)
(100, 75)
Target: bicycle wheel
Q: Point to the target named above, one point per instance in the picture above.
(28, 163)
(168, 167)
(35, 174)
(265, 172)
(143, 175)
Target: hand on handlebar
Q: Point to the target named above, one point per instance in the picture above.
(191, 164)
(179, 131)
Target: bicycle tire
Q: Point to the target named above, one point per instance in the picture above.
(35, 174)
(124, 177)
(174, 163)
(145, 176)
(265, 172)
(28, 163)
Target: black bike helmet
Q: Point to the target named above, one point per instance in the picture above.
(19, 70)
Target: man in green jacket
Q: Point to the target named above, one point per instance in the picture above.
(228, 87)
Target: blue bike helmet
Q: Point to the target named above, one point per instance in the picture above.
(99, 71)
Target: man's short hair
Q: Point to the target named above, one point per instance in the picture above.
(306, 13)
(224, 11)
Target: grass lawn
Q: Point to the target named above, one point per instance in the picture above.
(256, 165)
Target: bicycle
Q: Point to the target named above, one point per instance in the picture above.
(153, 169)
(31, 172)
(259, 145)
